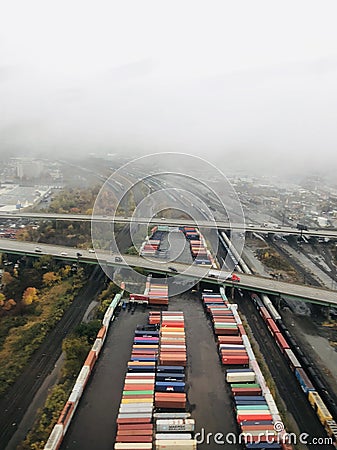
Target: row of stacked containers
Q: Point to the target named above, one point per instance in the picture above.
(58, 432)
(134, 420)
(152, 244)
(200, 254)
(174, 427)
(256, 412)
(156, 292)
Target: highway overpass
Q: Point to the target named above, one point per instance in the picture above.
(250, 282)
(205, 224)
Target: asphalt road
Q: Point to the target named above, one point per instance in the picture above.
(17, 399)
(175, 222)
(250, 282)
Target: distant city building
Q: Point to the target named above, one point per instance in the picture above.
(29, 168)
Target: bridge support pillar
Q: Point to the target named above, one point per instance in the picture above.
(232, 292)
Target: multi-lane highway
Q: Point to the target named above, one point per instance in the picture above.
(206, 224)
(250, 282)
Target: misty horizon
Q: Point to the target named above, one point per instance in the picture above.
(254, 91)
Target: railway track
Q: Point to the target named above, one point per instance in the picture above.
(19, 396)
(285, 381)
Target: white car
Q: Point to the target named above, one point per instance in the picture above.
(91, 250)
(64, 254)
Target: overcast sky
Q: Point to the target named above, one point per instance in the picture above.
(250, 80)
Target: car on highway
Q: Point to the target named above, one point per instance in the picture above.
(118, 259)
(91, 250)
(223, 276)
(173, 269)
(78, 254)
(234, 277)
(38, 250)
(64, 254)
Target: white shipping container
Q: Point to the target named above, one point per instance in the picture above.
(236, 315)
(133, 415)
(140, 381)
(173, 436)
(189, 444)
(55, 438)
(108, 317)
(135, 410)
(171, 415)
(240, 377)
(75, 395)
(143, 374)
(259, 376)
(251, 354)
(292, 358)
(83, 375)
(133, 446)
(131, 406)
(271, 404)
(276, 418)
(97, 346)
(172, 425)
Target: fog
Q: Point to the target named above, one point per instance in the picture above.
(249, 84)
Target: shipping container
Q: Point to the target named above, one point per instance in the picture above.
(83, 376)
(91, 359)
(235, 377)
(172, 415)
(102, 332)
(55, 438)
(319, 406)
(293, 361)
(272, 326)
(66, 415)
(281, 342)
(189, 444)
(172, 436)
(169, 425)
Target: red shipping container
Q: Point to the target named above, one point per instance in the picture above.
(145, 426)
(101, 333)
(134, 420)
(133, 438)
(246, 391)
(281, 342)
(91, 359)
(138, 387)
(241, 418)
(230, 340)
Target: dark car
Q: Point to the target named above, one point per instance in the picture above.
(78, 254)
(173, 269)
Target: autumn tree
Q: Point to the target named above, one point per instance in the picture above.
(50, 278)
(29, 296)
(6, 278)
(9, 304)
(2, 299)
